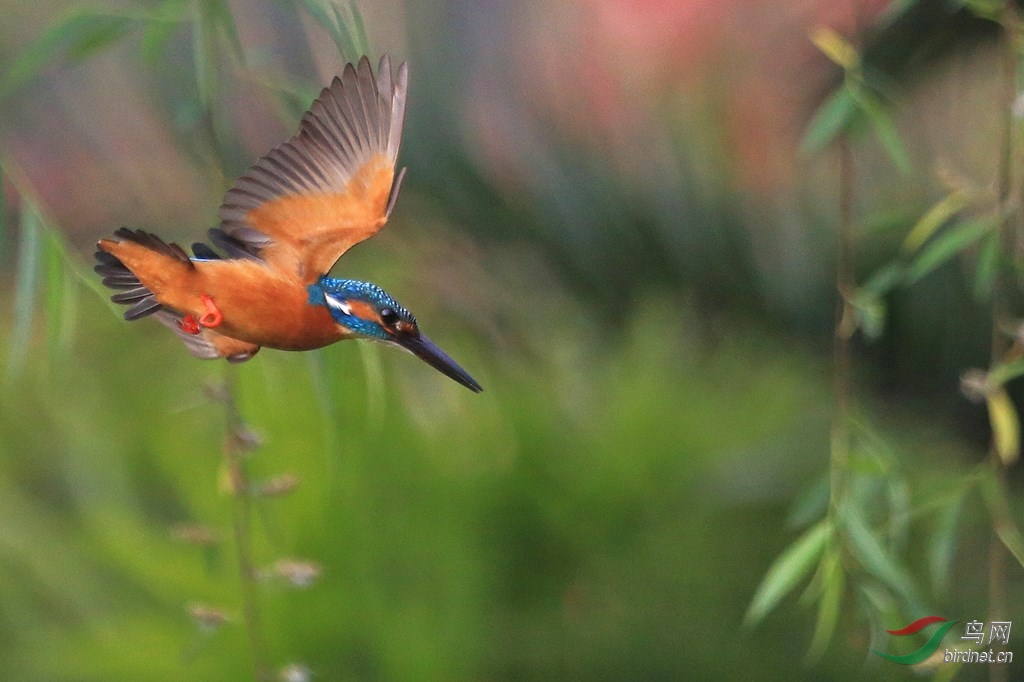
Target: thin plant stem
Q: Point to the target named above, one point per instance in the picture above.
(237, 443)
(1001, 312)
(845, 326)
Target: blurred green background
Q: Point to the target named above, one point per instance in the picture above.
(607, 221)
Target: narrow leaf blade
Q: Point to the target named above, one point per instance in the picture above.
(934, 218)
(834, 46)
(792, 566)
(832, 117)
(945, 246)
(1005, 423)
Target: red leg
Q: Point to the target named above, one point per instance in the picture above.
(212, 317)
(189, 325)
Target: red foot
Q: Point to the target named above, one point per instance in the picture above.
(212, 317)
(189, 325)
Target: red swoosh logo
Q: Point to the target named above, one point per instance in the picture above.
(919, 624)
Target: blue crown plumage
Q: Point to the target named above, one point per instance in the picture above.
(336, 294)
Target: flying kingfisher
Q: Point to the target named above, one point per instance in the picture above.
(282, 227)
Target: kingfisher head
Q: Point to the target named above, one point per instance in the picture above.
(371, 313)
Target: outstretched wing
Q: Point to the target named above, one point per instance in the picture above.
(303, 205)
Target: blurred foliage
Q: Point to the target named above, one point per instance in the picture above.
(567, 521)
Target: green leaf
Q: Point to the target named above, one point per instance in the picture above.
(883, 280)
(792, 566)
(832, 117)
(828, 608)
(934, 218)
(220, 15)
(1012, 539)
(834, 46)
(25, 284)
(360, 28)
(994, 494)
(898, 494)
(204, 55)
(54, 291)
(77, 35)
(870, 312)
(986, 267)
(157, 28)
(61, 293)
(876, 559)
(1005, 423)
(1005, 371)
(945, 246)
(346, 31)
(810, 504)
(942, 545)
(100, 33)
(884, 129)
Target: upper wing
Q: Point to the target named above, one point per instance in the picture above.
(333, 185)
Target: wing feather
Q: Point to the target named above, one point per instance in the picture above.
(305, 203)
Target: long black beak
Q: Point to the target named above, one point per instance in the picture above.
(423, 348)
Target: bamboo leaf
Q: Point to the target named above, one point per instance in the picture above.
(810, 504)
(898, 494)
(157, 29)
(346, 31)
(60, 294)
(945, 246)
(870, 312)
(100, 33)
(1005, 371)
(792, 566)
(1006, 529)
(883, 280)
(204, 53)
(875, 558)
(934, 218)
(1005, 423)
(884, 128)
(832, 117)
(828, 607)
(834, 46)
(77, 35)
(986, 9)
(25, 284)
(53, 293)
(360, 29)
(942, 546)
(220, 15)
(154, 37)
(1011, 538)
(986, 267)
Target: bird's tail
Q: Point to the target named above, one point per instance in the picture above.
(138, 262)
(135, 252)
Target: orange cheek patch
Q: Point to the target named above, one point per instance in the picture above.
(363, 310)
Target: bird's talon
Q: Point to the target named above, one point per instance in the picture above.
(212, 317)
(189, 325)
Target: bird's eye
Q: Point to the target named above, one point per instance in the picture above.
(388, 316)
